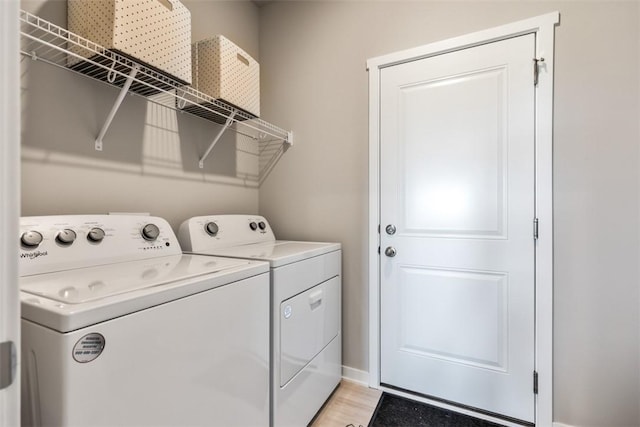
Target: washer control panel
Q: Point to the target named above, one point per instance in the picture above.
(60, 242)
(216, 231)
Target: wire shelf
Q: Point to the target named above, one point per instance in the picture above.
(41, 40)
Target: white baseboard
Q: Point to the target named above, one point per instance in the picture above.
(556, 424)
(355, 375)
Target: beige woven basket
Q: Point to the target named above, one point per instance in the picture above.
(156, 33)
(224, 71)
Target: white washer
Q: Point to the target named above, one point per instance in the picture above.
(120, 328)
(306, 341)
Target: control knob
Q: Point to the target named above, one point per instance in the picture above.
(150, 232)
(31, 238)
(211, 228)
(262, 225)
(253, 225)
(95, 235)
(66, 236)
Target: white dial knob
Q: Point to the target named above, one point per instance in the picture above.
(95, 235)
(31, 238)
(66, 236)
(211, 228)
(150, 232)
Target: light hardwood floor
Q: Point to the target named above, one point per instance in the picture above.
(351, 403)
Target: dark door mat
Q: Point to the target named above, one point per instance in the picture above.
(394, 411)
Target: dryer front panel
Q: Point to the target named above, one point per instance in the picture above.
(308, 323)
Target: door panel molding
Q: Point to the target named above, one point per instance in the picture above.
(468, 290)
(544, 28)
(433, 218)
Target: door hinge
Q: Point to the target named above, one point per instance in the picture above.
(535, 229)
(535, 382)
(536, 69)
(8, 364)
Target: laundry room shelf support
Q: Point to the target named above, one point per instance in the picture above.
(46, 42)
(228, 123)
(116, 105)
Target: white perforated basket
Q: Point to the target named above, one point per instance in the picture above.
(156, 33)
(224, 71)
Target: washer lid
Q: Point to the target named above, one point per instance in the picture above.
(95, 283)
(69, 300)
(277, 253)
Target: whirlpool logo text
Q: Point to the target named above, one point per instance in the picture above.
(33, 255)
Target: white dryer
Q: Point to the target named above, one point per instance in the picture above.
(306, 341)
(121, 329)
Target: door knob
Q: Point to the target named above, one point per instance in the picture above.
(390, 229)
(390, 251)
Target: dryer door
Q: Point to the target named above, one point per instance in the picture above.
(308, 322)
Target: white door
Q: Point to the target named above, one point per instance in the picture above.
(457, 183)
(9, 176)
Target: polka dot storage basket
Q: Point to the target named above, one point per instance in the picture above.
(223, 71)
(156, 33)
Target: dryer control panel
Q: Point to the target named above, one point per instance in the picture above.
(62, 242)
(221, 231)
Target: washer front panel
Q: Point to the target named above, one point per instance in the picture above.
(196, 361)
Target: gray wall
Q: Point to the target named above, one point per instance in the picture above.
(314, 81)
(150, 157)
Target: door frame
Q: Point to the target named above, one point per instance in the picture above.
(10, 200)
(543, 27)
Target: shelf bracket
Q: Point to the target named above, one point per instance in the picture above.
(116, 106)
(228, 123)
